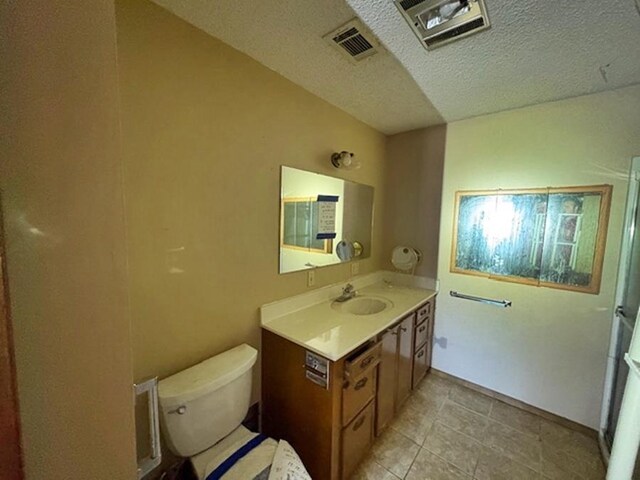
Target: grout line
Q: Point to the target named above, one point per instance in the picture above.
(385, 468)
(412, 462)
(468, 409)
(516, 461)
(515, 403)
(448, 462)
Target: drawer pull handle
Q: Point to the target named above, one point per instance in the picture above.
(361, 383)
(421, 353)
(404, 329)
(366, 362)
(421, 329)
(359, 423)
(423, 312)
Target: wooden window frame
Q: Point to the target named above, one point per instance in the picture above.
(605, 192)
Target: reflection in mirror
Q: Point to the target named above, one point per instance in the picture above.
(316, 213)
(300, 226)
(549, 237)
(574, 238)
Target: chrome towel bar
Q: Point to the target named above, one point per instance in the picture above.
(488, 301)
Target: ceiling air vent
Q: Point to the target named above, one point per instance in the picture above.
(354, 40)
(438, 22)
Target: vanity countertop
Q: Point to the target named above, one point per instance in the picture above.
(333, 334)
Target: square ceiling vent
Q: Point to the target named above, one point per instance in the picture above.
(354, 41)
(438, 22)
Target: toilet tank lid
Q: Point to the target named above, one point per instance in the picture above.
(206, 376)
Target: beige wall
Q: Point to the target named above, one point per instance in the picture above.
(60, 174)
(206, 129)
(414, 181)
(550, 348)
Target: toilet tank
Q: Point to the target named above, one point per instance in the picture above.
(201, 405)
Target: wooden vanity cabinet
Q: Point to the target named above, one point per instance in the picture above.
(405, 360)
(331, 427)
(395, 370)
(330, 418)
(423, 341)
(386, 399)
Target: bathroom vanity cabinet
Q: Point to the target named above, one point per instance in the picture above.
(331, 411)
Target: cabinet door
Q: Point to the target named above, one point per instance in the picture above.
(387, 368)
(431, 325)
(357, 437)
(419, 365)
(405, 359)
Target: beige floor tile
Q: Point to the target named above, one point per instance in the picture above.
(471, 399)
(428, 466)
(515, 418)
(518, 446)
(551, 471)
(370, 470)
(395, 452)
(434, 387)
(588, 468)
(575, 443)
(452, 446)
(495, 466)
(463, 420)
(416, 418)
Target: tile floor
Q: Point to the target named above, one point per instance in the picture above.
(449, 432)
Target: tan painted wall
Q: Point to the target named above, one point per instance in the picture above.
(549, 349)
(206, 129)
(61, 180)
(412, 210)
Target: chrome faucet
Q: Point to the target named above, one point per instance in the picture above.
(348, 292)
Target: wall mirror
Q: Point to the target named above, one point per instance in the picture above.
(321, 218)
(551, 237)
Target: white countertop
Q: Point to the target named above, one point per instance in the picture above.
(309, 320)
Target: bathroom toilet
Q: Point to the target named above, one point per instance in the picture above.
(201, 411)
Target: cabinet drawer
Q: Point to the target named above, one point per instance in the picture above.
(423, 312)
(420, 365)
(422, 333)
(357, 392)
(368, 357)
(357, 437)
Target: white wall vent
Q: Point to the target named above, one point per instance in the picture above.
(438, 22)
(354, 40)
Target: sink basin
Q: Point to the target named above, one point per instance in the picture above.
(363, 305)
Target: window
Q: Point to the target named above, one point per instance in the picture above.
(552, 237)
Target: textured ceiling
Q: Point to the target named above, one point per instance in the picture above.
(286, 36)
(536, 51)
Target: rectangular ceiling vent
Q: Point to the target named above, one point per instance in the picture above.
(354, 40)
(438, 22)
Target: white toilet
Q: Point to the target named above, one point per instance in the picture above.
(201, 411)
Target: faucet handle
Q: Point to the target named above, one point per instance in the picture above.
(348, 288)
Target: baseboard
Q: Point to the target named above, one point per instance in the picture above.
(565, 422)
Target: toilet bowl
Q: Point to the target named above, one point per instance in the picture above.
(201, 412)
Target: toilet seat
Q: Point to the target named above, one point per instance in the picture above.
(247, 467)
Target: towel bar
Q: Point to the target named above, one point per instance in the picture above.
(488, 301)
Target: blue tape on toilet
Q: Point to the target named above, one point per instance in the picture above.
(228, 464)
